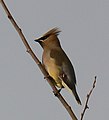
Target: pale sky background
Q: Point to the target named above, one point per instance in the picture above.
(24, 94)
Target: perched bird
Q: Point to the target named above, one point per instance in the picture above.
(57, 63)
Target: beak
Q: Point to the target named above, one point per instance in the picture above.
(37, 40)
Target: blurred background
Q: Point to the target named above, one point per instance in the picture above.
(24, 93)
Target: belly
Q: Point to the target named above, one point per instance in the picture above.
(54, 71)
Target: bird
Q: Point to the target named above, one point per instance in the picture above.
(57, 63)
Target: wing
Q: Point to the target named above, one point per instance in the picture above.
(67, 74)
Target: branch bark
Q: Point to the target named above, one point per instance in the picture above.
(29, 50)
(87, 100)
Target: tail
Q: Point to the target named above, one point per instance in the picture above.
(76, 97)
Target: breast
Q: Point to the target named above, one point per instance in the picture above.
(52, 69)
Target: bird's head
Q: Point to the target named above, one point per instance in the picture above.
(49, 39)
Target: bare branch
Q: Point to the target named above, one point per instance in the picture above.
(29, 50)
(87, 100)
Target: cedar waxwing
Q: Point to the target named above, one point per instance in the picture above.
(57, 63)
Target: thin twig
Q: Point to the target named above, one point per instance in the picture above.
(87, 100)
(29, 50)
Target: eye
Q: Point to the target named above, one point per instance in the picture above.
(44, 37)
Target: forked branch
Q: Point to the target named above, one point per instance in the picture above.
(87, 99)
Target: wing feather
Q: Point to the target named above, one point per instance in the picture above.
(67, 73)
